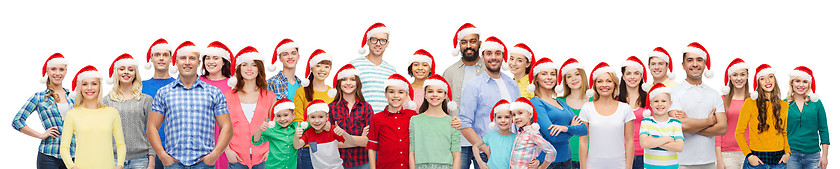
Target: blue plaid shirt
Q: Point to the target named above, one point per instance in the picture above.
(189, 117)
(279, 85)
(50, 117)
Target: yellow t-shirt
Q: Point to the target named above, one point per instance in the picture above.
(767, 141)
(301, 102)
(523, 86)
(94, 130)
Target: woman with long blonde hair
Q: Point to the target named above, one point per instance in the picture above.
(807, 122)
(133, 106)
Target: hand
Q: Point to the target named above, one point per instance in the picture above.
(298, 132)
(534, 164)
(166, 159)
(784, 158)
(754, 161)
(365, 131)
(483, 166)
(50, 132)
(456, 122)
(557, 129)
(263, 127)
(712, 120)
(485, 149)
(74, 167)
(721, 166)
(680, 114)
(119, 167)
(339, 131)
(232, 157)
(265, 157)
(823, 162)
(576, 121)
(210, 159)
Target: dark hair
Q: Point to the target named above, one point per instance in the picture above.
(762, 109)
(623, 93)
(358, 93)
(410, 73)
(425, 105)
(308, 90)
(261, 83)
(225, 68)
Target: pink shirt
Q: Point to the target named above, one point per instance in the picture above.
(637, 123)
(418, 99)
(243, 130)
(222, 163)
(727, 142)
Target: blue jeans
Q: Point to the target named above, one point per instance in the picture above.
(137, 163)
(575, 164)
(158, 163)
(803, 161)
(639, 162)
(304, 161)
(363, 166)
(467, 157)
(49, 162)
(561, 165)
(766, 165)
(237, 165)
(198, 165)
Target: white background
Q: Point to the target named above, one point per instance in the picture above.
(784, 35)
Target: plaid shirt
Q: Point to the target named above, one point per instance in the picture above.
(50, 117)
(279, 84)
(526, 147)
(189, 117)
(388, 136)
(353, 121)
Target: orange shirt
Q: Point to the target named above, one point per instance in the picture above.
(767, 141)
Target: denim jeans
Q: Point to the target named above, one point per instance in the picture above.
(198, 165)
(49, 162)
(304, 161)
(158, 163)
(561, 165)
(363, 166)
(575, 164)
(802, 161)
(639, 162)
(766, 165)
(237, 165)
(467, 157)
(137, 163)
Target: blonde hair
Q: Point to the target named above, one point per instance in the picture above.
(80, 100)
(615, 88)
(584, 84)
(136, 87)
(791, 92)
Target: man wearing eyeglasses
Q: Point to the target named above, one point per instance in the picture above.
(159, 56)
(374, 70)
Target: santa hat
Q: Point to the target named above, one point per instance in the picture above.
(502, 105)
(317, 56)
(314, 106)
(634, 62)
(439, 81)
(570, 65)
(282, 104)
(806, 73)
(735, 65)
(763, 69)
(284, 45)
(525, 104)
(421, 55)
(599, 69)
(159, 45)
(345, 71)
(186, 47)
(661, 53)
(463, 31)
(655, 90)
(247, 54)
(523, 49)
(123, 60)
(542, 65)
(84, 73)
(54, 60)
(397, 80)
(698, 49)
(493, 43)
(373, 29)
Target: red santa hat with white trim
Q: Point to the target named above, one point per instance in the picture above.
(735, 65)
(698, 49)
(216, 48)
(501, 105)
(662, 53)
(655, 90)
(247, 54)
(599, 69)
(570, 65)
(158, 45)
(317, 56)
(397, 80)
(284, 45)
(494, 43)
(439, 81)
(347, 70)
(523, 103)
(463, 31)
(806, 73)
(282, 104)
(542, 65)
(84, 73)
(185, 47)
(314, 106)
(634, 62)
(421, 55)
(523, 49)
(373, 29)
(763, 69)
(123, 60)
(54, 60)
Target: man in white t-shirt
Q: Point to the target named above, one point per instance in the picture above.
(699, 108)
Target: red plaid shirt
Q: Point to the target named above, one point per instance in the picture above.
(354, 123)
(388, 136)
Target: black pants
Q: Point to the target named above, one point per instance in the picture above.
(49, 162)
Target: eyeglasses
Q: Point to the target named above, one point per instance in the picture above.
(373, 40)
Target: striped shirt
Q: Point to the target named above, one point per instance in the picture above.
(658, 158)
(50, 117)
(373, 81)
(527, 147)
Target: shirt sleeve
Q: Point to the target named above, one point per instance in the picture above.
(822, 126)
(119, 138)
(747, 110)
(300, 105)
(678, 134)
(147, 108)
(455, 136)
(412, 135)
(643, 127)
(20, 118)
(66, 137)
(336, 136)
(784, 113)
(373, 136)
(550, 152)
(628, 114)
(468, 106)
(221, 104)
(719, 106)
(584, 113)
(159, 103)
(544, 121)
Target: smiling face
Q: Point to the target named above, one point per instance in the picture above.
(632, 76)
(377, 49)
(161, 59)
(573, 79)
(126, 74)
(767, 82)
(55, 74)
(739, 78)
(213, 64)
(395, 95)
(187, 63)
(661, 103)
(521, 117)
(800, 86)
(694, 64)
(248, 70)
(318, 120)
(348, 85)
(469, 47)
(434, 95)
(320, 71)
(658, 67)
(289, 58)
(89, 88)
(518, 63)
(546, 79)
(284, 117)
(420, 70)
(493, 59)
(502, 119)
(605, 85)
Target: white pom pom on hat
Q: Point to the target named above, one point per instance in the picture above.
(373, 29)
(463, 31)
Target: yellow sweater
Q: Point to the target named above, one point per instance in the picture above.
(301, 102)
(523, 86)
(767, 141)
(94, 130)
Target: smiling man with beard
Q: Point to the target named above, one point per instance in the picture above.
(466, 43)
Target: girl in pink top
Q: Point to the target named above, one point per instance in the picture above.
(734, 92)
(421, 65)
(216, 71)
(631, 92)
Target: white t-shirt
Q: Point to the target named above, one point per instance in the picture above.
(697, 101)
(606, 135)
(248, 110)
(63, 108)
(503, 89)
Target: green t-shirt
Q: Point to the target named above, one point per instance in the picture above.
(429, 137)
(281, 152)
(573, 142)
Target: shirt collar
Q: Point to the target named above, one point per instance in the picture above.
(198, 83)
(47, 91)
(502, 76)
(478, 64)
(689, 85)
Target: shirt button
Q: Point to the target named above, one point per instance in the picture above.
(401, 152)
(400, 140)
(398, 127)
(401, 165)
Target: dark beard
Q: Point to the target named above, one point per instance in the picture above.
(491, 70)
(466, 58)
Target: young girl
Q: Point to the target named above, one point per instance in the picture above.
(660, 135)
(528, 139)
(317, 69)
(133, 106)
(216, 69)
(735, 91)
(632, 92)
(278, 132)
(324, 139)
(501, 141)
(807, 123)
(97, 127)
(574, 94)
(609, 122)
(434, 143)
(421, 66)
(350, 111)
(520, 65)
(765, 116)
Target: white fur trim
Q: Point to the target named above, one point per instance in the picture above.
(318, 107)
(272, 124)
(124, 62)
(285, 47)
(284, 106)
(419, 58)
(434, 82)
(332, 92)
(558, 90)
(173, 69)
(724, 90)
(736, 67)
(378, 30)
(767, 71)
(531, 88)
(590, 93)
(490, 45)
(411, 105)
(661, 55)
(362, 50)
(543, 67)
(214, 51)
(467, 31)
(633, 64)
(814, 97)
(602, 70)
(452, 106)
(271, 67)
(522, 51)
(304, 125)
(753, 95)
(535, 127)
(500, 108)
(456, 51)
(709, 74)
(646, 86)
(248, 57)
(694, 50)
(491, 125)
(161, 46)
(232, 81)
(800, 74)
(570, 67)
(671, 75)
(657, 91)
(188, 49)
(86, 75)
(43, 80)
(304, 82)
(396, 83)
(347, 73)
(523, 106)
(56, 61)
(318, 58)
(148, 65)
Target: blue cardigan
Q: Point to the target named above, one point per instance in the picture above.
(548, 115)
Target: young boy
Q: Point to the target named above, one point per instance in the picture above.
(322, 138)
(661, 136)
(501, 141)
(279, 138)
(388, 137)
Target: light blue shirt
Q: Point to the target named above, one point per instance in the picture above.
(501, 147)
(478, 98)
(373, 81)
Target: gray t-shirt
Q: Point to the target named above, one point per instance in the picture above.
(134, 114)
(468, 75)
